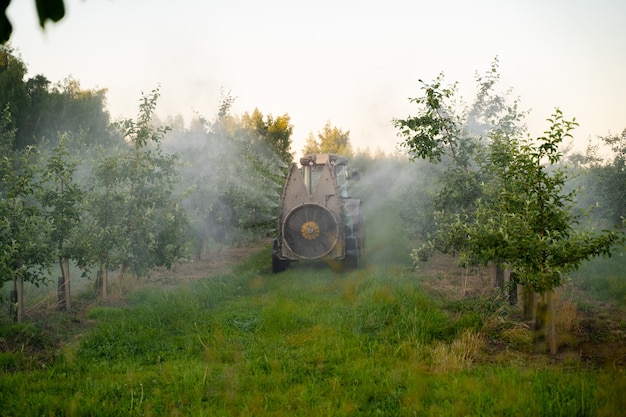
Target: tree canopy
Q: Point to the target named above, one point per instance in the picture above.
(502, 198)
(40, 109)
(605, 184)
(526, 219)
(330, 139)
(276, 132)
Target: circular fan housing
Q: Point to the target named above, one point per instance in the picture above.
(310, 231)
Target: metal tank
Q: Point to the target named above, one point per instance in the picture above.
(318, 219)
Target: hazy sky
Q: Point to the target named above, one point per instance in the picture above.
(353, 63)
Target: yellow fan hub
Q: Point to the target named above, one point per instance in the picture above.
(310, 230)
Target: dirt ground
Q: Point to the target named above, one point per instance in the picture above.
(216, 261)
(588, 330)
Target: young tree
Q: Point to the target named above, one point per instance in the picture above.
(137, 219)
(103, 228)
(62, 200)
(503, 199)
(24, 232)
(452, 134)
(528, 222)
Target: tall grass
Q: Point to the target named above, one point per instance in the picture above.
(306, 342)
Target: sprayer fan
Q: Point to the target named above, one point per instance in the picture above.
(310, 231)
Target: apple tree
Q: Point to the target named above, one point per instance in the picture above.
(516, 212)
(135, 217)
(25, 252)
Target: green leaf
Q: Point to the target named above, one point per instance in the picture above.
(50, 10)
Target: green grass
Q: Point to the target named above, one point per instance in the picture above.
(306, 342)
(604, 278)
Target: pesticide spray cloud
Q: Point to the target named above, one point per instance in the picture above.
(397, 198)
(230, 180)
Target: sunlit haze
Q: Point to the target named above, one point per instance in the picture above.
(353, 63)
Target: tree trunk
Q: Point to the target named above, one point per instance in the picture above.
(67, 280)
(512, 288)
(20, 298)
(61, 293)
(101, 281)
(529, 305)
(103, 274)
(499, 278)
(551, 325)
(544, 335)
(98, 284)
(64, 285)
(13, 300)
(121, 275)
(61, 286)
(200, 245)
(539, 325)
(465, 278)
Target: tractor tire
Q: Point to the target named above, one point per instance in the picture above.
(278, 265)
(351, 259)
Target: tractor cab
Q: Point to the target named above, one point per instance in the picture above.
(313, 165)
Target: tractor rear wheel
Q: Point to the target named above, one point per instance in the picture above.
(351, 259)
(278, 265)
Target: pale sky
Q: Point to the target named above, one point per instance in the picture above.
(353, 63)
